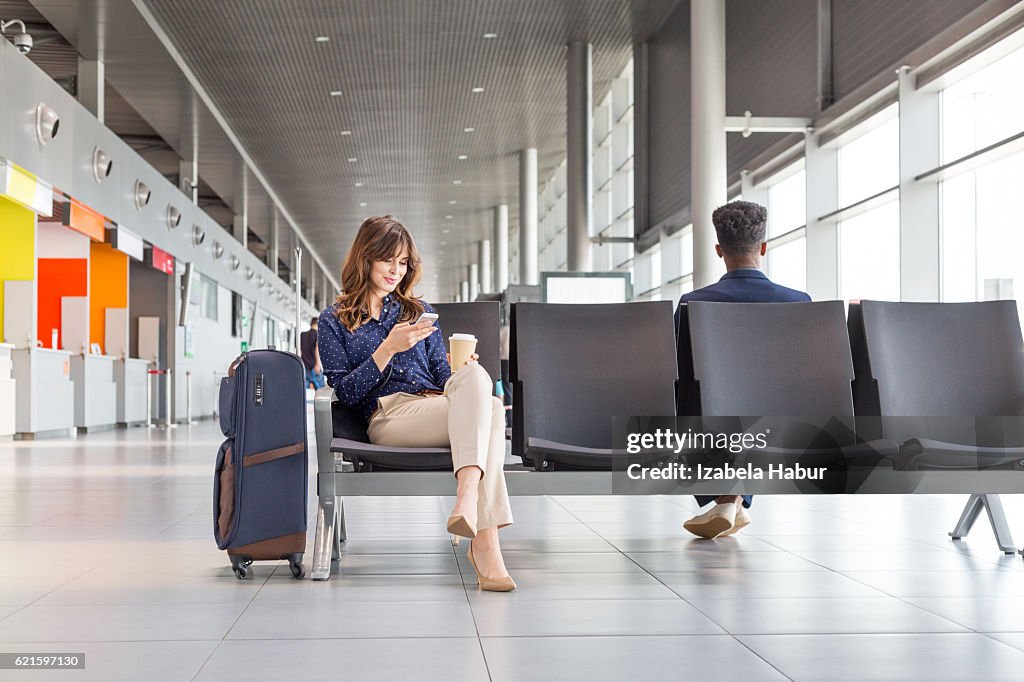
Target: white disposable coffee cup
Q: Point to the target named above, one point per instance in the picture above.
(463, 346)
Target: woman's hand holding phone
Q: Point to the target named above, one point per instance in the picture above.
(401, 338)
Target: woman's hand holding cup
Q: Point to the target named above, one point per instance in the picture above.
(472, 358)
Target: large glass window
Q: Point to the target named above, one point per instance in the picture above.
(786, 260)
(983, 236)
(869, 162)
(983, 108)
(787, 264)
(869, 254)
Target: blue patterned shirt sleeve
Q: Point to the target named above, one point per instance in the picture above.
(352, 384)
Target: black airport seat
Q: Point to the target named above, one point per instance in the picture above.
(576, 366)
(749, 362)
(946, 380)
(479, 319)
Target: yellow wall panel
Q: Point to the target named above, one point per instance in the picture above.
(17, 247)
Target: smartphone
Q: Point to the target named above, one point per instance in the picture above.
(428, 317)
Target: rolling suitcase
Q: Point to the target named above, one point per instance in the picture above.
(260, 484)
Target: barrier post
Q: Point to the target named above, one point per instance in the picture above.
(188, 397)
(169, 377)
(149, 399)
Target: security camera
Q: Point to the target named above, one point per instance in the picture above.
(47, 124)
(23, 42)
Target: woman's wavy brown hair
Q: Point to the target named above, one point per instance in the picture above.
(378, 238)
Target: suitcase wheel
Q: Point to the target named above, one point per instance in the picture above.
(295, 564)
(240, 565)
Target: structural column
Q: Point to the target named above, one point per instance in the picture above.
(485, 266)
(579, 160)
(528, 251)
(920, 135)
(501, 247)
(91, 87)
(240, 225)
(474, 281)
(272, 247)
(708, 168)
(464, 292)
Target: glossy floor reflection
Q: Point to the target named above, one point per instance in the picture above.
(106, 548)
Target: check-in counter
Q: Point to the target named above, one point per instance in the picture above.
(130, 375)
(95, 392)
(45, 402)
(7, 395)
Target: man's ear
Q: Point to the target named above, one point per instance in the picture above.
(764, 248)
(718, 250)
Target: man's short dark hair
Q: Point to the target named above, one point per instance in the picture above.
(740, 226)
(315, 320)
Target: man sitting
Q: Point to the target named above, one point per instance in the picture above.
(740, 226)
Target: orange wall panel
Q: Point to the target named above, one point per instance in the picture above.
(108, 288)
(59, 277)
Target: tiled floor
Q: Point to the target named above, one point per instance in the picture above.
(106, 548)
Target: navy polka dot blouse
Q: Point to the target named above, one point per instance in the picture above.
(349, 368)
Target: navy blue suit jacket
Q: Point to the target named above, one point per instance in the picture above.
(746, 286)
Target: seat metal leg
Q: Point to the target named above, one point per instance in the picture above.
(324, 542)
(341, 531)
(993, 506)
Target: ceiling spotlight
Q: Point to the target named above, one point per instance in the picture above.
(468, 130)
(47, 123)
(490, 36)
(22, 41)
(259, 281)
(142, 194)
(198, 235)
(445, 231)
(335, 93)
(173, 217)
(452, 202)
(448, 217)
(101, 164)
(352, 159)
(234, 262)
(362, 203)
(346, 132)
(249, 272)
(478, 89)
(456, 182)
(462, 157)
(323, 39)
(444, 244)
(218, 250)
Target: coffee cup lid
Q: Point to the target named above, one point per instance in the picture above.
(462, 337)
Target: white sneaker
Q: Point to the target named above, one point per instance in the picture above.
(711, 524)
(742, 520)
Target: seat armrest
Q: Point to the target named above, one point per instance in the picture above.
(324, 428)
(923, 453)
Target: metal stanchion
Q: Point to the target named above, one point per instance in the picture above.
(188, 397)
(149, 398)
(169, 376)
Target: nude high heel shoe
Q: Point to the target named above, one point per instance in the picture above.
(503, 584)
(460, 526)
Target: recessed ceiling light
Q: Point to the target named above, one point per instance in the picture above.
(448, 217)
(323, 39)
(456, 182)
(490, 36)
(444, 243)
(359, 184)
(445, 231)
(462, 157)
(452, 202)
(335, 93)
(478, 89)
(468, 130)
(352, 159)
(362, 203)
(346, 132)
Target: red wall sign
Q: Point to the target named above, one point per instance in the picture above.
(163, 261)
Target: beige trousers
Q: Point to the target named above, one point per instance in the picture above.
(469, 419)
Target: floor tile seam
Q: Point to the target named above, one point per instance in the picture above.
(760, 657)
